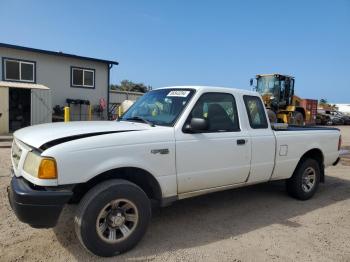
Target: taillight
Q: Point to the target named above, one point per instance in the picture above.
(339, 143)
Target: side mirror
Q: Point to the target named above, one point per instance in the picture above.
(251, 81)
(197, 125)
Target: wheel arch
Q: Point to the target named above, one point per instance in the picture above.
(317, 155)
(142, 178)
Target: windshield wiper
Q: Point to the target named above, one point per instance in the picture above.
(138, 118)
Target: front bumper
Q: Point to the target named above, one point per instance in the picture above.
(40, 207)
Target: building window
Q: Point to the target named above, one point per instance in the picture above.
(82, 77)
(18, 70)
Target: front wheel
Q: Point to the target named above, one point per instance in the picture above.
(304, 182)
(112, 217)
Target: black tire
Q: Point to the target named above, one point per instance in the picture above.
(295, 183)
(95, 201)
(297, 119)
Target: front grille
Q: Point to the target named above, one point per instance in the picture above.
(16, 153)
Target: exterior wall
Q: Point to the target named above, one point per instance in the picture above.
(117, 97)
(120, 101)
(55, 73)
(4, 110)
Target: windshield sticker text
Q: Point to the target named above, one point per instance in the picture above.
(179, 93)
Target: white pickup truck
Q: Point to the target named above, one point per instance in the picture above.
(173, 143)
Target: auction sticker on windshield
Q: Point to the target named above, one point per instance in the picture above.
(180, 93)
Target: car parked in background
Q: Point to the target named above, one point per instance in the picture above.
(346, 118)
(337, 117)
(331, 117)
(322, 118)
(336, 120)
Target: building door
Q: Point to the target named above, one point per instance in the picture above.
(41, 106)
(19, 108)
(4, 110)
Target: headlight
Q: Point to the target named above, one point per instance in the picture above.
(41, 167)
(32, 163)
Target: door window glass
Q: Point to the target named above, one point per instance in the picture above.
(256, 112)
(219, 109)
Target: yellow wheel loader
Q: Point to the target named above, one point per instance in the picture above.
(277, 92)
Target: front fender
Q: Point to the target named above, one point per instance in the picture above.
(81, 160)
(120, 162)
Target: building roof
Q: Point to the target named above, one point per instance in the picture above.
(22, 85)
(57, 53)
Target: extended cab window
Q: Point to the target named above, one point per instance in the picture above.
(220, 111)
(256, 112)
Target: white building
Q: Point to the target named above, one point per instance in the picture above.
(345, 108)
(33, 81)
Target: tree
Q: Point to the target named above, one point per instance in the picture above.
(323, 101)
(130, 86)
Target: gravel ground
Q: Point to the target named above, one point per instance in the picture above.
(257, 223)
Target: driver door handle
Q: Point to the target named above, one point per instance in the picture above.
(241, 142)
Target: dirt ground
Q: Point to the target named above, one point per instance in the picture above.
(257, 223)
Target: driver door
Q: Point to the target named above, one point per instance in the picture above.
(219, 156)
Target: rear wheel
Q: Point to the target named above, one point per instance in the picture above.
(297, 118)
(304, 182)
(112, 217)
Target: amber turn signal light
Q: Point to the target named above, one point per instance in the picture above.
(47, 169)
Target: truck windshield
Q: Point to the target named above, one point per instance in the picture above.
(159, 107)
(268, 85)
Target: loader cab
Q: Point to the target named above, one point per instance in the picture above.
(276, 90)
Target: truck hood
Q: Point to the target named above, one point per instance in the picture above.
(46, 135)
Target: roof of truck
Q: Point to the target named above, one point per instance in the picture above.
(214, 89)
(259, 75)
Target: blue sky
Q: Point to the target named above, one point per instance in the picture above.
(222, 43)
